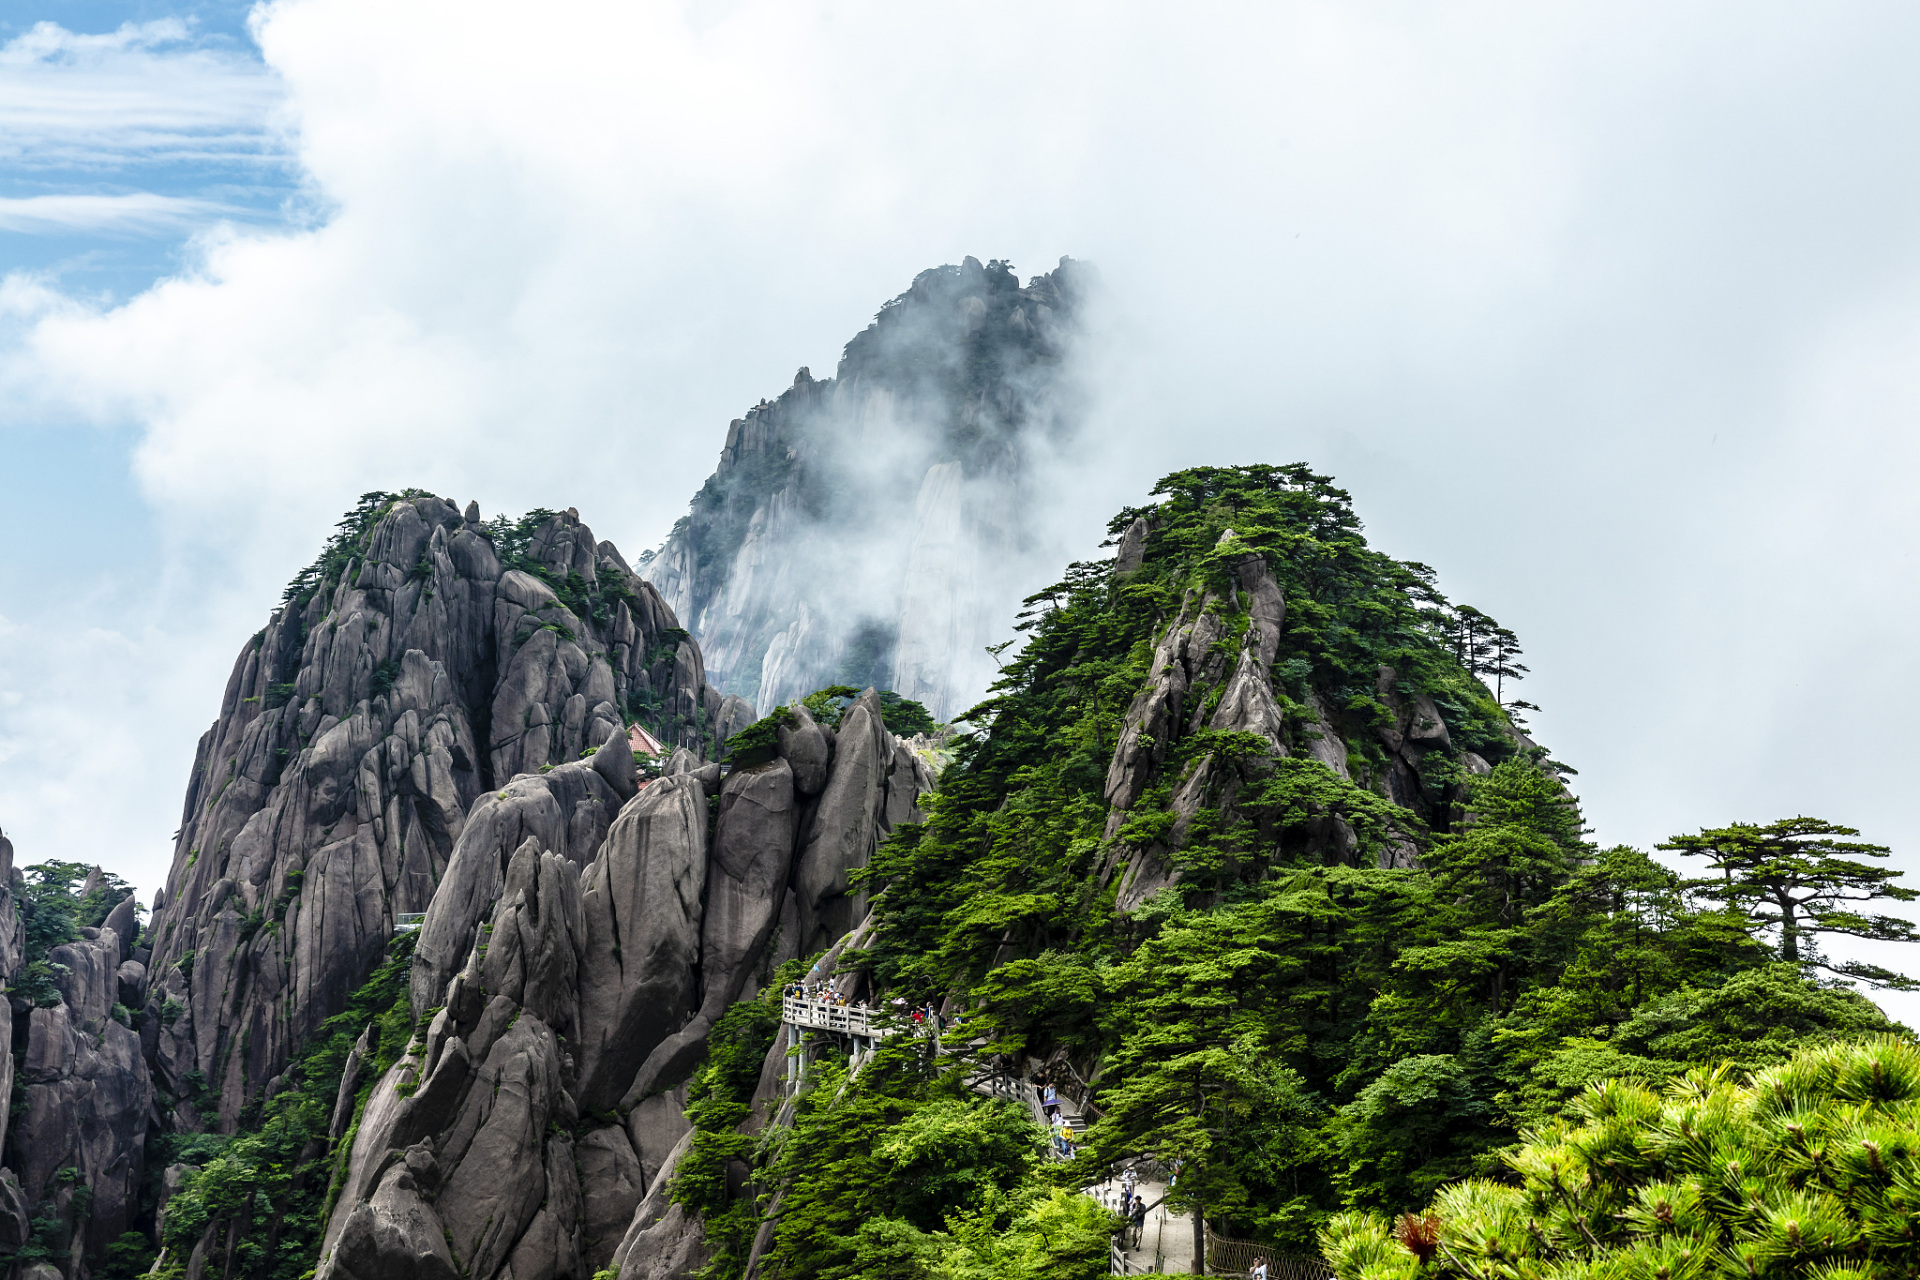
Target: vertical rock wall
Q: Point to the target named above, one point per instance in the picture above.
(531, 1130)
(358, 730)
(863, 529)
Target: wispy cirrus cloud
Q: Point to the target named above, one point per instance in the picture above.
(145, 94)
(136, 213)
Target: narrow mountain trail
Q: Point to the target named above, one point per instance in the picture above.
(1165, 1243)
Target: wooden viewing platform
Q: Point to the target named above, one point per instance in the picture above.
(826, 1015)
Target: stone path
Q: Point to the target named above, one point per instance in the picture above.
(1166, 1243)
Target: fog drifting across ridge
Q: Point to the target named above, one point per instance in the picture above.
(1607, 312)
(881, 526)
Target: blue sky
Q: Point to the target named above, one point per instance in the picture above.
(152, 176)
(1609, 311)
(101, 200)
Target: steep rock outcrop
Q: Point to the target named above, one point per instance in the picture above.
(77, 1092)
(589, 988)
(849, 819)
(643, 911)
(859, 529)
(425, 663)
(85, 1101)
(1189, 663)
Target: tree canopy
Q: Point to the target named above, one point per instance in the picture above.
(1801, 878)
(1808, 1169)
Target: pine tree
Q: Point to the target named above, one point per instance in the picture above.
(1801, 877)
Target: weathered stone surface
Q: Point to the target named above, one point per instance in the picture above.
(846, 825)
(673, 1248)
(394, 1236)
(566, 811)
(746, 889)
(614, 762)
(735, 714)
(1132, 551)
(899, 491)
(370, 1149)
(655, 1126)
(86, 1100)
(1140, 747)
(807, 750)
(124, 920)
(130, 983)
(642, 906)
(357, 1059)
(612, 1181)
(496, 1148)
(535, 933)
(15, 1216)
(661, 1241)
(355, 735)
(747, 877)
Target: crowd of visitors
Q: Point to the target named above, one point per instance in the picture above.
(926, 1019)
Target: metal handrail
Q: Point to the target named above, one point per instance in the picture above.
(408, 921)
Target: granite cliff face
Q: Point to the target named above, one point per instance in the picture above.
(431, 739)
(425, 752)
(861, 530)
(75, 1109)
(424, 663)
(567, 980)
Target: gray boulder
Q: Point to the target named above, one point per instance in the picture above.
(807, 750)
(735, 715)
(612, 1182)
(746, 882)
(1132, 551)
(846, 827)
(566, 811)
(85, 1098)
(642, 908)
(395, 1235)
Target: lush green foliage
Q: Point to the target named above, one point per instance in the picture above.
(1810, 1169)
(718, 1101)
(348, 540)
(1797, 876)
(903, 1142)
(902, 716)
(272, 1185)
(759, 742)
(53, 909)
(1306, 1025)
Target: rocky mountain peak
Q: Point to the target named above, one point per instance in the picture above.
(857, 528)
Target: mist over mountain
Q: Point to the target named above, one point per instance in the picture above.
(539, 914)
(876, 527)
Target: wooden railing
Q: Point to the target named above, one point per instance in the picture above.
(1236, 1258)
(1120, 1262)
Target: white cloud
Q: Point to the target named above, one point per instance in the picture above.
(1608, 311)
(144, 94)
(137, 213)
